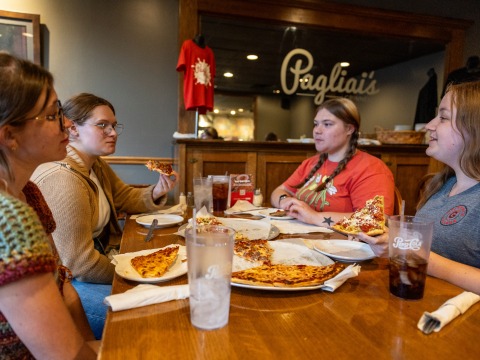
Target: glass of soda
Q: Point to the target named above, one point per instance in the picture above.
(410, 239)
(220, 191)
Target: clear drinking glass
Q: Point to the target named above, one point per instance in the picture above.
(202, 192)
(220, 191)
(210, 256)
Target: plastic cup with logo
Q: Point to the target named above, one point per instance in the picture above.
(410, 239)
(210, 256)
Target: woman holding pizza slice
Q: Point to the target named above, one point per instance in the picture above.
(340, 178)
(452, 197)
(85, 195)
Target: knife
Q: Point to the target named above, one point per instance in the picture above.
(150, 231)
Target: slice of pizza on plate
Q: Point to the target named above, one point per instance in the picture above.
(155, 264)
(370, 219)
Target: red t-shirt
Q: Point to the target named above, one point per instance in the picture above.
(364, 177)
(198, 65)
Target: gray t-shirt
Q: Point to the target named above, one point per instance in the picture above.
(456, 230)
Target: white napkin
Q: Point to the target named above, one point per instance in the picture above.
(242, 206)
(298, 227)
(450, 310)
(347, 273)
(178, 209)
(146, 294)
(177, 135)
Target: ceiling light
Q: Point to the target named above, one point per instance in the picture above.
(344, 64)
(228, 74)
(216, 111)
(252, 57)
(240, 110)
(233, 112)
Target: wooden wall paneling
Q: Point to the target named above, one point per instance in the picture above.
(274, 169)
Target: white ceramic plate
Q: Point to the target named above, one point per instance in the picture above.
(164, 220)
(294, 140)
(126, 271)
(268, 211)
(284, 253)
(345, 250)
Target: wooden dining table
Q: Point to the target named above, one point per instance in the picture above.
(360, 320)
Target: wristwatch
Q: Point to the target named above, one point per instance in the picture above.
(283, 196)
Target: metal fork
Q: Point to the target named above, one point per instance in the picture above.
(430, 325)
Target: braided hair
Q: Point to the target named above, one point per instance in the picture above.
(345, 110)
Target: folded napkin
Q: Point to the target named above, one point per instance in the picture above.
(178, 209)
(347, 273)
(297, 227)
(177, 135)
(242, 206)
(146, 294)
(449, 310)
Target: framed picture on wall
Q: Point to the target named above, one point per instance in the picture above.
(20, 35)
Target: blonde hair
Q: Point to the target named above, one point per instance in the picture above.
(465, 97)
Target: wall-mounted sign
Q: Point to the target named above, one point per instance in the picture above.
(302, 82)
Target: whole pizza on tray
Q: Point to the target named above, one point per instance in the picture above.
(264, 273)
(370, 219)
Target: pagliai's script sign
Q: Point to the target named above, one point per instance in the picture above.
(337, 82)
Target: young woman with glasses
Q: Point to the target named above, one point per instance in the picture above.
(40, 312)
(85, 196)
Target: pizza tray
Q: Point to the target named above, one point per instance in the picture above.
(284, 253)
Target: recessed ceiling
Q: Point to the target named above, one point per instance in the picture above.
(233, 39)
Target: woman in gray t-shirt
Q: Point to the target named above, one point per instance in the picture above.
(452, 197)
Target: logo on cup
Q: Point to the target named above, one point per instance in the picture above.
(213, 272)
(407, 244)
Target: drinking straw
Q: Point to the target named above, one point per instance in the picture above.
(402, 209)
(194, 225)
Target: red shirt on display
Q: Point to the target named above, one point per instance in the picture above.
(198, 65)
(364, 177)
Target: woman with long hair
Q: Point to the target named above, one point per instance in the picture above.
(452, 197)
(40, 313)
(340, 178)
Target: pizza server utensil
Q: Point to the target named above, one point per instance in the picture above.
(150, 231)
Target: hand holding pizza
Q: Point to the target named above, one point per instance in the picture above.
(379, 244)
(167, 180)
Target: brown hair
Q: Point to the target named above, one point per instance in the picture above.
(465, 98)
(80, 107)
(345, 110)
(21, 84)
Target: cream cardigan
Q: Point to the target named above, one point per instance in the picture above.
(73, 199)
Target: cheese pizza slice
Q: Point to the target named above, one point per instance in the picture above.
(155, 264)
(370, 219)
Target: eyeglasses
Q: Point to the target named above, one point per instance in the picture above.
(58, 116)
(107, 128)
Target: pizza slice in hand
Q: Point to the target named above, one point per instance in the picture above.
(370, 219)
(162, 168)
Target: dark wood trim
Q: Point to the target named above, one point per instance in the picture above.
(447, 31)
(35, 20)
